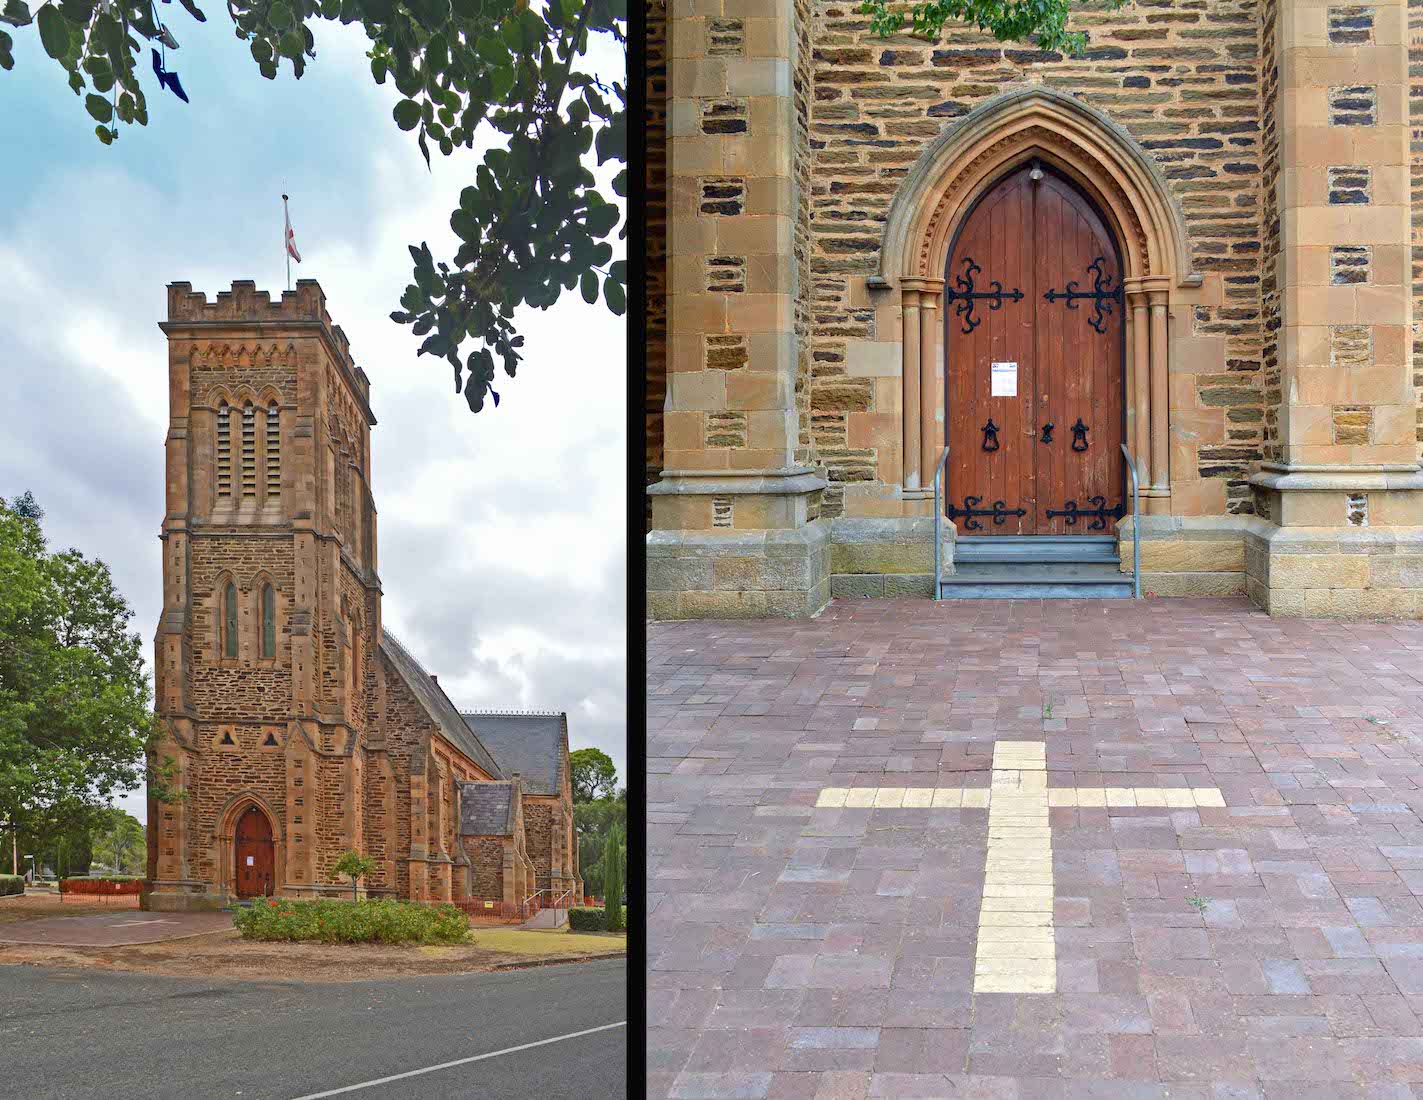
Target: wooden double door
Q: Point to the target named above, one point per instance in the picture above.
(256, 862)
(1034, 372)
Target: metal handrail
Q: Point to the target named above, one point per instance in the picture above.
(1135, 525)
(938, 518)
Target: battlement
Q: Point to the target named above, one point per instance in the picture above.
(244, 303)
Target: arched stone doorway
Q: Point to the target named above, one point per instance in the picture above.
(249, 827)
(1034, 378)
(1104, 165)
(254, 850)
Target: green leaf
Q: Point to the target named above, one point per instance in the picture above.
(105, 134)
(291, 45)
(261, 50)
(54, 31)
(614, 295)
(279, 16)
(194, 10)
(7, 59)
(16, 13)
(501, 80)
(407, 114)
(588, 284)
(99, 108)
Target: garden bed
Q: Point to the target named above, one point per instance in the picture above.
(331, 921)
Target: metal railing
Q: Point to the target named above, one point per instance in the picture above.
(938, 518)
(1135, 525)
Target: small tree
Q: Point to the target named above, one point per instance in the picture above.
(355, 866)
(612, 882)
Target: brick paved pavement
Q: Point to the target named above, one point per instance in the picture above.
(125, 926)
(1269, 948)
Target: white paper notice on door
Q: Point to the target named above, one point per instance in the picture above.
(1003, 380)
(249, 861)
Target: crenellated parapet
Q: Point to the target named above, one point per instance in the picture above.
(244, 304)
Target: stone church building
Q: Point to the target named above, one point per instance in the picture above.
(293, 727)
(1184, 253)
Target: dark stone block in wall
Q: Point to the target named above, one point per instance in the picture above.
(1350, 185)
(1353, 105)
(1351, 26)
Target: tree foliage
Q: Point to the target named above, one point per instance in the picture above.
(74, 699)
(613, 881)
(595, 822)
(534, 221)
(118, 841)
(1041, 22)
(594, 775)
(355, 867)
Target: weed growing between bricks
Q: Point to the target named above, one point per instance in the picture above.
(385, 922)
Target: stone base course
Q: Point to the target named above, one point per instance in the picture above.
(738, 574)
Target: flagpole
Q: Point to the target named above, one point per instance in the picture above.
(286, 217)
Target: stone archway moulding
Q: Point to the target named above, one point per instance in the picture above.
(225, 845)
(1102, 159)
(1080, 140)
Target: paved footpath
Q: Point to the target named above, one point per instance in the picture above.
(1023, 849)
(119, 928)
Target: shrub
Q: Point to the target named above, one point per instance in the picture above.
(12, 884)
(385, 921)
(588, 920)
(114, 886)
(612, 881)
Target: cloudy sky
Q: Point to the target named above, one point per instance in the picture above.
(502, 535)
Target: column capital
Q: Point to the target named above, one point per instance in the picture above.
(927, 290)
(1152, 287)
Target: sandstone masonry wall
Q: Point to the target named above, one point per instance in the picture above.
(1181, 76)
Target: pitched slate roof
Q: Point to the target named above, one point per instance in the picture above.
(437, 704)
(487, 809)
(528, 742)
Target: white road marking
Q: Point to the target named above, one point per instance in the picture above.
(1017, 945)
(460, 1062)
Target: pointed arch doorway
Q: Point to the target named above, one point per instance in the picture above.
(255, 853)
(1035, 380)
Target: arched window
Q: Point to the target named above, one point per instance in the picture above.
(229, 620)
(249, 452)
(224, 451)
(269, 621)
(274, 452)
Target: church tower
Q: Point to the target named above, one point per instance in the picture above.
(266, 653)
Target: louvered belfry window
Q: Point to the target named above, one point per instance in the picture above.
(249, 452)
(274, 452)
(224, 451)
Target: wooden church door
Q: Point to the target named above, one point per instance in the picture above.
(255, 855)
(1034, 364)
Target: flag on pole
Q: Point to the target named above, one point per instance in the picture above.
(291, 237)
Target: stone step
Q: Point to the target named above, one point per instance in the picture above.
(1036, 548)
(1010, 580)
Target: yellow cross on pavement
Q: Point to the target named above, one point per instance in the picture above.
(1017, 951)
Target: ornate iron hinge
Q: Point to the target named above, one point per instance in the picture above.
(966, 296)
(970, 509)
(1071, 513)
(1102, 294)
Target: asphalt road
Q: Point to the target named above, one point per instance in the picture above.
(70, 1035)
